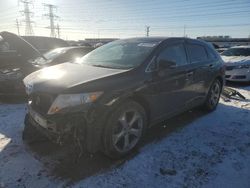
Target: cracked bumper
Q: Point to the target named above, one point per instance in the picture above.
(86, 126)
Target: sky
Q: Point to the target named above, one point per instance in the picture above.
(80, 19)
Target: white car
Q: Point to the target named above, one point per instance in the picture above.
(237, 62)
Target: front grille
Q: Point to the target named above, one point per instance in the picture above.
(41, 102)
(230, 67)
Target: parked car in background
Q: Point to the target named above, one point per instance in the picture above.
(18, 58)
(107, 100)
(16, 55)
(45, 44)
(61, 55)
(237, 62)
(220, 50)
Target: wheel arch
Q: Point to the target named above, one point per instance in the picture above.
(141, 101)
(221, 80)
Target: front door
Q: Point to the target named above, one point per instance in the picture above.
(171, 84)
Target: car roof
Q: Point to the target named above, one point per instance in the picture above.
(162, 39)
(159, 39)
(246, 46)
(74, 47)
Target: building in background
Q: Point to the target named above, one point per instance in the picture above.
(226, 41)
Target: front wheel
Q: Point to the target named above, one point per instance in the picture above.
(124, 129)
(213, 96)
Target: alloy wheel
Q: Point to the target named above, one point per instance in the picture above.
(215, 94)
(128, 131)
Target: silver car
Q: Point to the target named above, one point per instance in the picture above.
(237, 62)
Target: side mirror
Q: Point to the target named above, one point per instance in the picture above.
(166, 64)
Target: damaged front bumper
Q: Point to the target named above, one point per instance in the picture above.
(60, 129)
(84, 127)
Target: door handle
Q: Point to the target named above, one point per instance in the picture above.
(211, 65)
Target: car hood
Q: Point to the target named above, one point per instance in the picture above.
(236, 59)
(20, 45)
(59, 78)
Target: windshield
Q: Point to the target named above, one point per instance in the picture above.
(50, 56)
(54, 53)
(237, 52)
(120, 54)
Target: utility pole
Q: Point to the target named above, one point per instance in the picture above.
(58, 31)
(52, 18)
(17, 25)
(27, 13)
(98, 34)
(184, 31)
(147, 30)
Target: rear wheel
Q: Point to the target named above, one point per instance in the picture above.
(124, 129)
(213, 96)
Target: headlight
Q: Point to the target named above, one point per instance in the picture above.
(245, 66)
(70, 100)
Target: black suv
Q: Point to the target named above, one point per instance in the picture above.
(110, 97)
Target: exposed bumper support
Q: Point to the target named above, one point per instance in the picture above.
(84, 127)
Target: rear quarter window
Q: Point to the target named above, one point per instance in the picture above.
(197, 53)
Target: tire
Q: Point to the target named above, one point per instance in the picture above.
(124, 129)
(213, 96)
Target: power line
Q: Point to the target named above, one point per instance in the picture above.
(181, 12)
(168, 18)
(158, 28)
(172, 17)
(153, 8)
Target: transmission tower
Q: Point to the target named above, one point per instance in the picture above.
(27, 14)
(52, 18)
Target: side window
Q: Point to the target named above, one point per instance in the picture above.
(75, 53)
(197, 53)
(4, 46)
(211, 54)
(66, 56)
(80, 52)
(174, 53)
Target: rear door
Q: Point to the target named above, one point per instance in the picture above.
(198, 70)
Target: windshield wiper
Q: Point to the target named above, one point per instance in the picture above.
(101, 66)
(105, 66)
